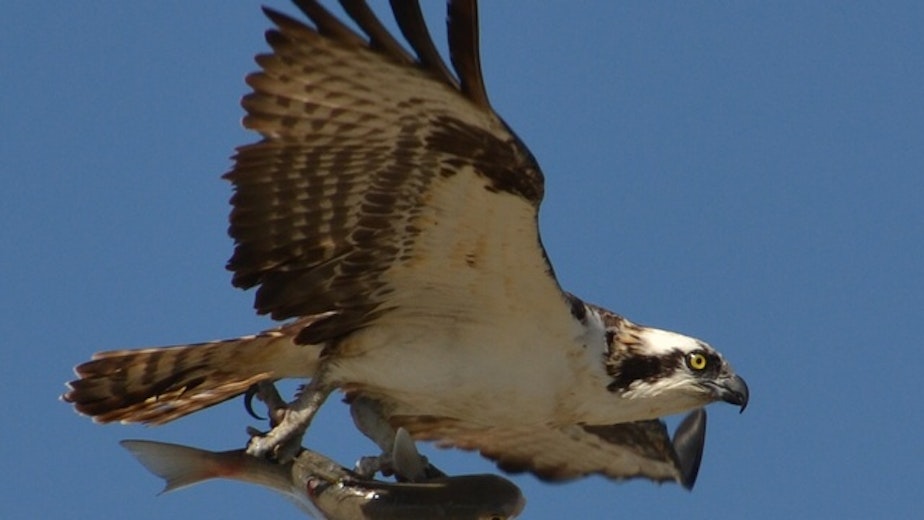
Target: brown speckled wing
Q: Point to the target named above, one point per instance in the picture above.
(357, 137)
(642, 449)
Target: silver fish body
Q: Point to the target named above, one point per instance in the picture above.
(324, 489)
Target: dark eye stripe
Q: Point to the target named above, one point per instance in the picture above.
(644, 368)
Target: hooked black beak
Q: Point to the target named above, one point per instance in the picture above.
(732, 389)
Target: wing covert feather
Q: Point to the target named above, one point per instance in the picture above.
(618, 451)
(356, 142)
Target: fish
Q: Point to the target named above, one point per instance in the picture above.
(324, 489)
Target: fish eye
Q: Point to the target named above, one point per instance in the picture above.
(697, 361)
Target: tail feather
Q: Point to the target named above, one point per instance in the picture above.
(158, 385)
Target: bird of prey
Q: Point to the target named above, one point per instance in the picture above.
(390, 214)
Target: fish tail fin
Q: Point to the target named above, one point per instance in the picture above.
(179, 466)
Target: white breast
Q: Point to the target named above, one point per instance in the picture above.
(499, 372)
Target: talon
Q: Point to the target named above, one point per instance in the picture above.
(289, 421)
(258, 446)
(275, 406)
(367, 467)
(403, 461)
(280, 446)
(248, 402)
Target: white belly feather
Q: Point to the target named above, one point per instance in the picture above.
(478, 328)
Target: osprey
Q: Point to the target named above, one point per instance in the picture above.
(391, 215)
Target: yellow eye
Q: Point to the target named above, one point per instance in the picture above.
(696, 361)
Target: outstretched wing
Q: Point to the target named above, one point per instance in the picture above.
(383, 179)
(618, 451)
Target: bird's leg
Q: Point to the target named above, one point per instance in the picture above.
(408, 463)
(289, 422)
(399, 454)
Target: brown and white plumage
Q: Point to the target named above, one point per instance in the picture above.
(393, 214)
(157, 385)
(370, 165)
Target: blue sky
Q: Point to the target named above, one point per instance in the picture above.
(749, 173)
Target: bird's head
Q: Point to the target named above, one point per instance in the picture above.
(671, 372)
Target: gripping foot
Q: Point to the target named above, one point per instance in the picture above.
(289, 422)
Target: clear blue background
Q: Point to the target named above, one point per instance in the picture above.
(749, 173)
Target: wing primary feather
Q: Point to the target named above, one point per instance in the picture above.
(411, 22)
(335, 194)
(462, 25)
(689, 442)
(379, 37)
(327, 24)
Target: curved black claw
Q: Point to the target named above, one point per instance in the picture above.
(248, 402)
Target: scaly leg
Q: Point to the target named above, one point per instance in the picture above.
(289, 422)
(399, 454)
